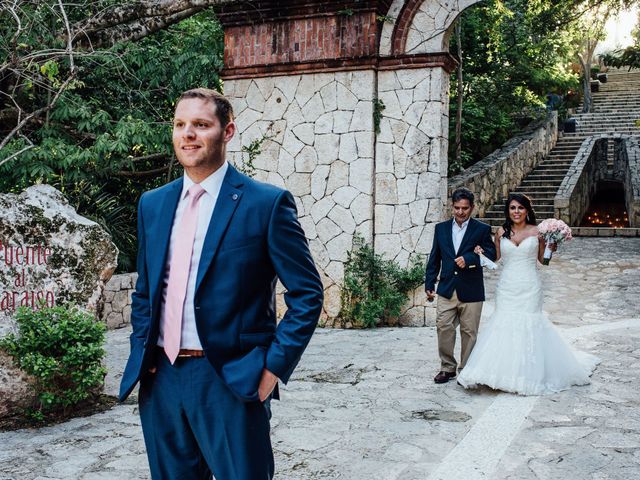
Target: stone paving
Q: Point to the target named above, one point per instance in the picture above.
(362, 404)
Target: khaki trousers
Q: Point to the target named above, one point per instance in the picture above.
(451, 313)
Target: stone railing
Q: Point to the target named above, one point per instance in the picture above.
(116, 312)
(590, 166)
(492, 178)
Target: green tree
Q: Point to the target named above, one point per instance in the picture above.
(514, 52)
(96, 123)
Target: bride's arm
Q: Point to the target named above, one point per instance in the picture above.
(541, 245)
(496, 241)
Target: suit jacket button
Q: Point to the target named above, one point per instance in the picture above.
(455, 273)
(234, 196)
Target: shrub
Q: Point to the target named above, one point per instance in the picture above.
(62, 348)
(374, 288)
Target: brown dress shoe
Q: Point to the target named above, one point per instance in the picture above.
(444, 377)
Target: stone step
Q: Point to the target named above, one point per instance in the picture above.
(616, 97)
(541, 183)
(562, 171)
(560, 168)
(498, 215)
(604, 105)
(563, 154)
(540, 195)
(607, 121)
(527, 189)
(598, 132)
(613, 90)
(627, 116)
(615, 101)
(543, 180)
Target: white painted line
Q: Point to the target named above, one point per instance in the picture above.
(478, 454)
(572, 333)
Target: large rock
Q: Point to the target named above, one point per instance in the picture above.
(47, 252)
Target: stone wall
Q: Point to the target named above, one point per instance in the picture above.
(632, 179)
(580, 183)
(116, 312)
(501, 172)
(319, 137)
(307, 80)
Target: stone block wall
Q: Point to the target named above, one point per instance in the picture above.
(588, 168)
(501, 172)
(319, 144)
(581, 181)
(116, 312)
(632, 179)
(306, 80)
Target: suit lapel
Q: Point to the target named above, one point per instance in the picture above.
(467, 234)
(228, 200)
(448, 235)
(159, 246)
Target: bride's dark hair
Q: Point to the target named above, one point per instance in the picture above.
(526, 203)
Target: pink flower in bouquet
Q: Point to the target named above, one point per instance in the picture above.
(553, 231)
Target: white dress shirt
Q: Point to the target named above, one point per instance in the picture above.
(207, 202)
(457, 233)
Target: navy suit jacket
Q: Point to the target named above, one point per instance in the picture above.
(254, 237)
(468, 282)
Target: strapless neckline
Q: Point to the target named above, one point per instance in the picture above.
(517, 245)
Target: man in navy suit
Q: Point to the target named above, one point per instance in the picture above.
(461, 286)
(205, 346)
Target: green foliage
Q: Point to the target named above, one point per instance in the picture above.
(374, 288)
(108, 138)
(385, 18)
(347, 12)
(512, 56)
(62, 348)
(378, 107)
(623, 58)
(252, 150)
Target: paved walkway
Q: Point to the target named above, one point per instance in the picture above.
(362, 404)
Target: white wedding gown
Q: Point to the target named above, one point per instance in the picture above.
(518, 349)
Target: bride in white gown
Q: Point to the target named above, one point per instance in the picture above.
(519, 350)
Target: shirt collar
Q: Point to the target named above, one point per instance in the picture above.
(211, 184)
(464, 224)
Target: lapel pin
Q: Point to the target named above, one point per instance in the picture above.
(234, 196)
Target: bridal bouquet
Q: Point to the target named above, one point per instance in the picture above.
(553, 231)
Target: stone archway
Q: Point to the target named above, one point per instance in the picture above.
(308, 82)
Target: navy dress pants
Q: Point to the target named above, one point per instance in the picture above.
(194, 426)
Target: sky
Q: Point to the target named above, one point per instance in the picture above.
(619, 31)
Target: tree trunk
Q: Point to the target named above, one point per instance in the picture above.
(460, 93)
(586, 83)
(135, 20)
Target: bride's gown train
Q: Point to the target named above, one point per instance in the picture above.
(518, 349)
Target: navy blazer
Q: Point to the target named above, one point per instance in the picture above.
(468, 282)
(253, 239)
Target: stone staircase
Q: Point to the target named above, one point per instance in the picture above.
(616, 107)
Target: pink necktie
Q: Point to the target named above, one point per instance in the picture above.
(179, 274)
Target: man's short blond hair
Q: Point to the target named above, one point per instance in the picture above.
(223, 110)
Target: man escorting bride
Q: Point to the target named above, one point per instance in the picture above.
(518, 349)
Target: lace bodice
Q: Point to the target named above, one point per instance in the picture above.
(519, 285)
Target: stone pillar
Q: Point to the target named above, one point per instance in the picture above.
(304, 79)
